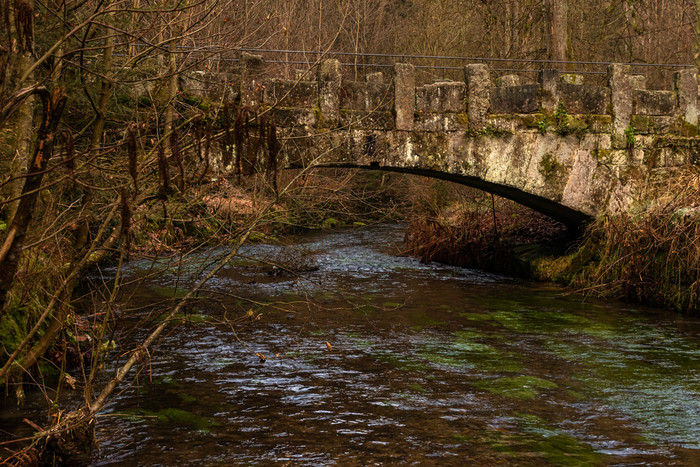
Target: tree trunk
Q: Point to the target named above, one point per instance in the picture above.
(697, 34)
(19, 62)
(11, 249)
(557, 31)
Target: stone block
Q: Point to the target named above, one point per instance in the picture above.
(579, 99)
(549, 89)
(572, 79)
(368, 120)
(507, 81)
(375, 78)
(291, 93)
(478, 81)
(654, 102)
(515, 99)
(441, 122)
(620, 101)
(441, 97)
(650, 124)
(251, 79)
(285, 117)
(685, 84)
(206, 85)
(598, 123)
(638, 81)
(379, 96)
(329, 82)
(404, 95)
(353, 95)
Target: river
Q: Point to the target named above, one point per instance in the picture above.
(375, 359)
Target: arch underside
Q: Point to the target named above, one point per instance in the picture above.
(574, 220)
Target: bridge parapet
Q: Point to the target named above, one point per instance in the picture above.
(478, 100)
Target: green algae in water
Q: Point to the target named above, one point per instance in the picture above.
(171, 415)
(421, 318)
(183, 417)
(358, 341)
(463, 438)
(657, 385)
(400, 362)
(221, 363)
(166, 380)
(477, 316)
(186, 398)
(555, 446)
(418, 388)
(518, 387)
(465, 352)
(365, 310)
(539, 321)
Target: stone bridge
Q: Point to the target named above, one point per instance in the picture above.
(569, 150)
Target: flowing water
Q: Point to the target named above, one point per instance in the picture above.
(378, 359)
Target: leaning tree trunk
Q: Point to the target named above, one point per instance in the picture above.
(11, 249)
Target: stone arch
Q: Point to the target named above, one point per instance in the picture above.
(574, 220)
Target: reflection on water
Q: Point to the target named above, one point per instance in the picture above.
(397, 361)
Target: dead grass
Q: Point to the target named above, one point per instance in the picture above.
(652, 256)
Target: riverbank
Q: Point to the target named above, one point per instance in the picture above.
(649, 255)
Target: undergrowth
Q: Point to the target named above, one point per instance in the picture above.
(464, 227)
(650, 257)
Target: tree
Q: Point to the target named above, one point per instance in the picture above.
(557, 30)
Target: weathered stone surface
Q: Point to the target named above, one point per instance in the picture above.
(579, 99)
(293, 118)
(329, 82)
(353, 95)
(379, 97)
(206, 85)
(638, 81)
(478, 83)
(646, 124)
(571, 78)
(515, 99)
(598, 123)
(549, 89)
(369, 120)
(291, 93)
(444, 122)
(404, 95)
(445, 96)
(507, 81)
(375, 78)
(251, 88)
(654, 102)
(685, 83)
(620, 102)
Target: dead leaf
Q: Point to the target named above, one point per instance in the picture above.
(330, 347)
(261, 357)
(70, 381)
